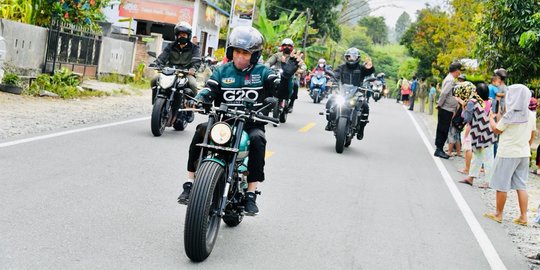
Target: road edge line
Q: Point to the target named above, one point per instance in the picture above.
(58, 134)
(487, 247)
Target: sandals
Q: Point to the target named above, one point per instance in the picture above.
(493, 217)
(535, 172)
(519, 222)
(466, 181)
(463, 171)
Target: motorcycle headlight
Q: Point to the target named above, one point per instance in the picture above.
(352, 102)
(340, 100)
(166, 81)
(221, 133)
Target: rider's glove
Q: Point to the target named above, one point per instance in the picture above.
(289, 68)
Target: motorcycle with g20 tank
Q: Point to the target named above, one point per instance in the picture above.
(172, 92)
(220, 184)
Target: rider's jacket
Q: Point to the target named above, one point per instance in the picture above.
(275, 60)
(353, 74)
(230, 85)
(187, 57)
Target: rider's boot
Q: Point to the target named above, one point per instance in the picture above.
(251, 208)
(328, 126)
(190, 116)
(360, 129)
(291, 105)
(184, 197)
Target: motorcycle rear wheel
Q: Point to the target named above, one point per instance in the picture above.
(158, 120)
(341, 134)
(202, 220)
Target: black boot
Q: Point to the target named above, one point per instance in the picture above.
(328, 126)
(251, 208)
(291, 105)
(360, 131)
(184, 197)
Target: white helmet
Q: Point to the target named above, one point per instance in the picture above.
(322, 61)
(287, 41)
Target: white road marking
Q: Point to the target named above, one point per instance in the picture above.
(485, 244)
(58, 134)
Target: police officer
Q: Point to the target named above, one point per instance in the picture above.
(242, 77)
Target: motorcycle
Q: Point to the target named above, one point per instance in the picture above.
(376, 87)
(316, 85)
(346, 112)
(219, 189)
(281, 108)
(172, 92)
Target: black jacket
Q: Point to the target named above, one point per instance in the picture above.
(187, 57)
(353, 74)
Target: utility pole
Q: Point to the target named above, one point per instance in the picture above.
(308, 18)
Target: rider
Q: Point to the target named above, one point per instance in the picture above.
(181, 53)
(276, 60)
(242, 76)
(321, 66)
(352, 72)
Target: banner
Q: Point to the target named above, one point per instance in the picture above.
(157, 11)
(242, 14)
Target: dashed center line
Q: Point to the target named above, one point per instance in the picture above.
(268, 154)
(307, 127)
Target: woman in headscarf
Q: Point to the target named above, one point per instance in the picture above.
(480, 134)
(516, 127)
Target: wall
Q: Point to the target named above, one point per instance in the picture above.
(25, 44)
(117, 56)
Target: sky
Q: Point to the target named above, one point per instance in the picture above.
(392, 9)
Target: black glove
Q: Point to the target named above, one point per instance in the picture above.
(289, 68)
(152, 65)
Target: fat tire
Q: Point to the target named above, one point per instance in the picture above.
(157, 121)
(200, 231)
(341, 134)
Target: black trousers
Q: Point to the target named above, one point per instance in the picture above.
(443, 127)
(257, 150)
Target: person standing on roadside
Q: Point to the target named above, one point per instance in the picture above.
(517, 126)
(422, 94)
(447, 106)
(431, 98)
(414, 90)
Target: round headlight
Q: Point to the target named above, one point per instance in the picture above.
(340, 100)
(221, 133)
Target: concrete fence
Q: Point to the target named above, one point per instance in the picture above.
(26, 47)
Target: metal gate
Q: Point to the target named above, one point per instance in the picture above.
(74, 47)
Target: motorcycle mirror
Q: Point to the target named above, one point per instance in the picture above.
(153, 54)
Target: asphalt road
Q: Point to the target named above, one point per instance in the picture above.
(105, 198)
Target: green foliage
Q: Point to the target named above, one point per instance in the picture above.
(11, 79)
(376, 29)
(408, 68)
(402, 24)
(63, 83)
(39, 12)
(509, 38)
(323, 15)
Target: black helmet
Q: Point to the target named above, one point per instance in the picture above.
(352, 56)
(182, 27)
(246, 38)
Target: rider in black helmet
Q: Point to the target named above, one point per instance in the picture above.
(181, 53)
(353, 73)
(241, 77)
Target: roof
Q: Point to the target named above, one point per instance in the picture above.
(216, 7)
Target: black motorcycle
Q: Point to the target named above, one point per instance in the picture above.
(172, 92)
(346, 112)
(220, 185)
(281, 108)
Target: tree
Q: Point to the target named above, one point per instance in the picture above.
(353, 10)
(509, 38)
(402, 23)
(426, 38)
(376, 29)
(323, 15)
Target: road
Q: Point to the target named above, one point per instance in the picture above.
(105, 198)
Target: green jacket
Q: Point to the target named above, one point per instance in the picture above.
(230, 85)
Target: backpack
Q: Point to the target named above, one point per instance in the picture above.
(457, 121)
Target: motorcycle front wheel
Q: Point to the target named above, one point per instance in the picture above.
(341, 134)
(202, 219)
(158, 120)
